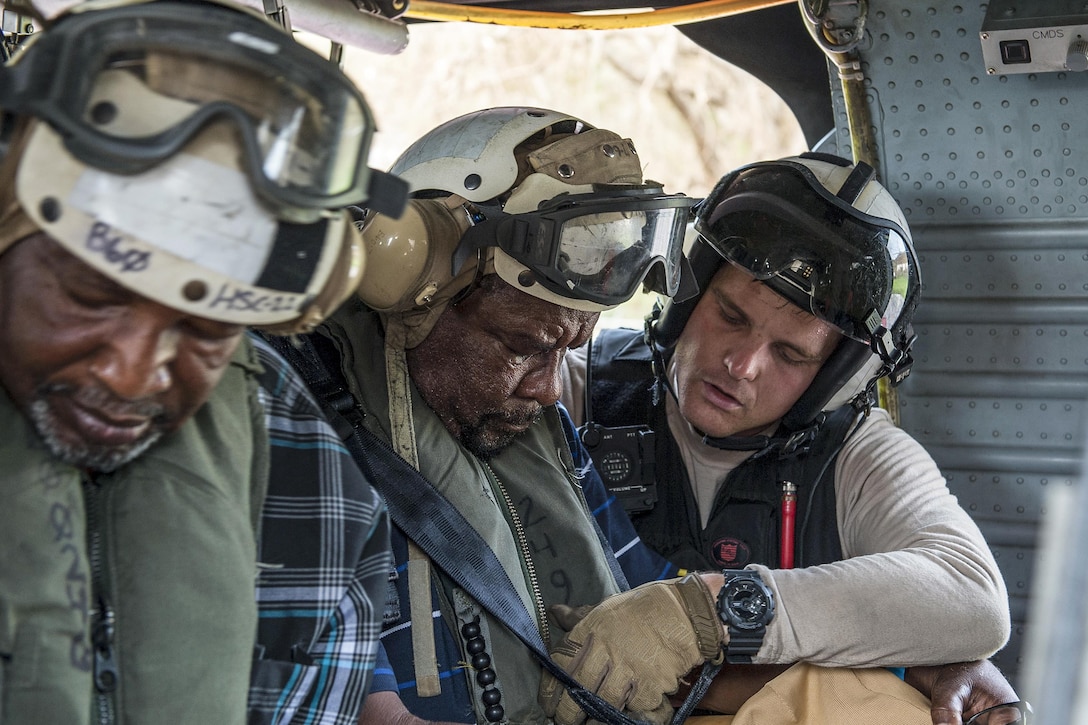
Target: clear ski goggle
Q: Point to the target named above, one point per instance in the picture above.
(598, 247)
(305, 129)
(779, 223)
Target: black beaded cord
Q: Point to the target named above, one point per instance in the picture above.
(485, 675)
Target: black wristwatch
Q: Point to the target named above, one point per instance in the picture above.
(746, 607)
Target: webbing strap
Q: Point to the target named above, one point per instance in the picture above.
(439, 529)
(458, 550)
(428, 684)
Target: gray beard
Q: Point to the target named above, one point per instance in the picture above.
(484, 446)
(95, 458)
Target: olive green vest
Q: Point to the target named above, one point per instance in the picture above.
(177, 568)
(535, 473)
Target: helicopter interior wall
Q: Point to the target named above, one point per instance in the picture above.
(992, 173)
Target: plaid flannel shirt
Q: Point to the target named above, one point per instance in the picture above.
(324, 562)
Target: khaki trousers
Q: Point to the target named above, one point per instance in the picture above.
(809, 695)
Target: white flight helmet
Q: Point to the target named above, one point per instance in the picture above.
(555, 207)
(824, 234)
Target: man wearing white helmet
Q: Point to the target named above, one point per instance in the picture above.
(833, 537)
(525, 224)
(169, 183)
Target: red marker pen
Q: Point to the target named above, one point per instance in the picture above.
(787, 523)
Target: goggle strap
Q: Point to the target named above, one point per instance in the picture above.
(475, 239)
(856, 182)
(386, 194)
(481, 267)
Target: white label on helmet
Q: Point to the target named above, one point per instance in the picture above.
(188, 206)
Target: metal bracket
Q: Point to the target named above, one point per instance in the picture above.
(15, 27)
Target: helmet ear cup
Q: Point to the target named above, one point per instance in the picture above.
(841, 368)
(408, 258)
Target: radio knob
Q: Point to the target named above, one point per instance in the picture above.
(1077, 57)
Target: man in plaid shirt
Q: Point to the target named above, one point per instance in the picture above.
(324, 554)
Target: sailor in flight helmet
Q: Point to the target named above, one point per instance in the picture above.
(828, 237)
(806, 510)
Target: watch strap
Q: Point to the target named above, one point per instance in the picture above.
(743, 644)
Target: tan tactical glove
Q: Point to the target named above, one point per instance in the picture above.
(633, 648)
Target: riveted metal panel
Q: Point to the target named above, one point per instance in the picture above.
(992, 173)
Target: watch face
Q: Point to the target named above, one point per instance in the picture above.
(746, 604)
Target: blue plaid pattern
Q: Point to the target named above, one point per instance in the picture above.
(324, 564)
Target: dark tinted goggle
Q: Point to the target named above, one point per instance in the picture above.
(598, 247)
(781, 225)
(305, 129)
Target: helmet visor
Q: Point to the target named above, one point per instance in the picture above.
(781, 225)
(598, 247)
(127, 87)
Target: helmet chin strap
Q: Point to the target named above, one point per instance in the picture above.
(794, 444)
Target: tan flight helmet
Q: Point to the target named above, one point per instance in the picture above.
(182, 150)
(557, 208)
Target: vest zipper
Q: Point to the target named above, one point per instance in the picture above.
(530, 567)
(102, 616)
